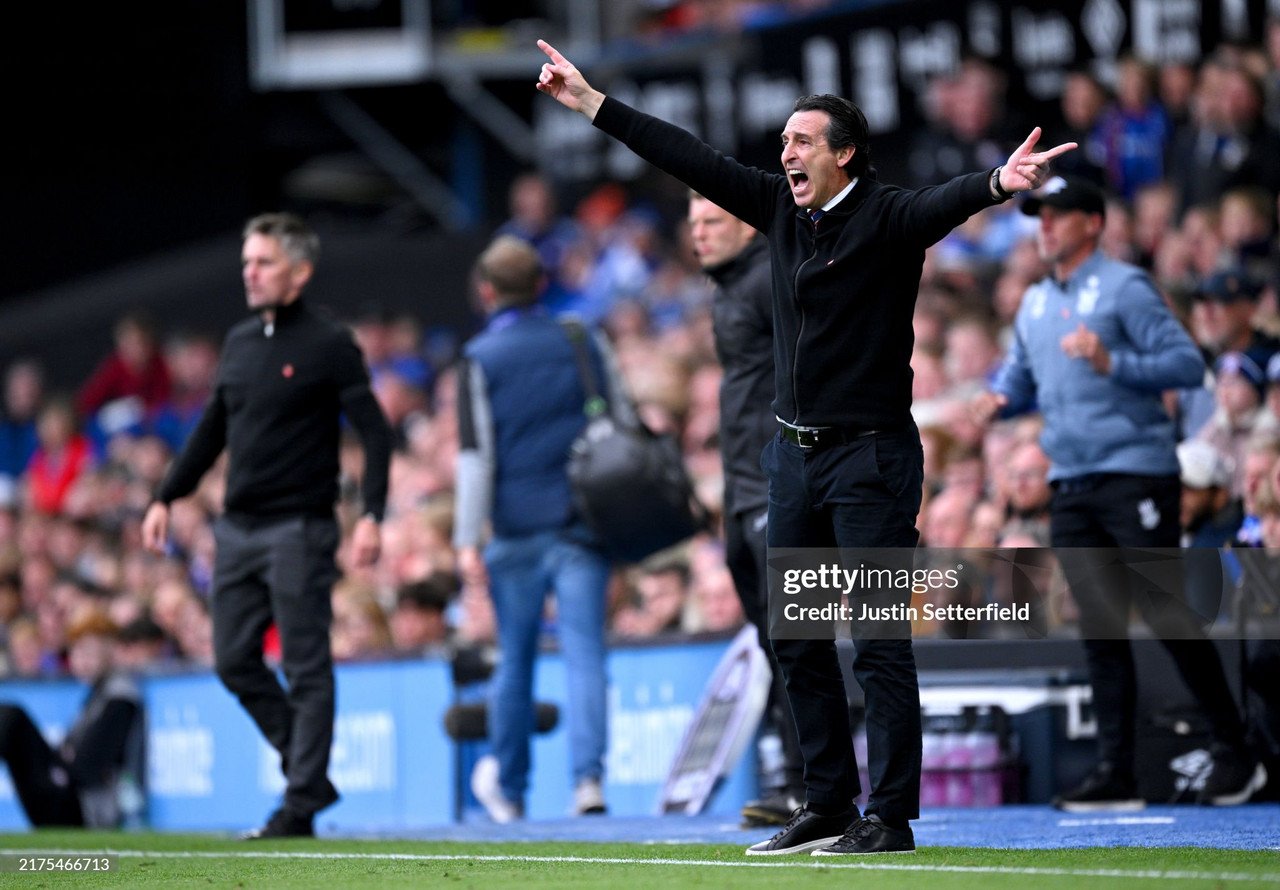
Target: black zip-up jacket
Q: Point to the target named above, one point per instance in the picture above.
(742, 319)
(276, 407)
(844, 289)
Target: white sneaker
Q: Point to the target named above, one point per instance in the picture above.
(588, 798)
(484, 785)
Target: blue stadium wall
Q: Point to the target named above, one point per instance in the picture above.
(208, 769)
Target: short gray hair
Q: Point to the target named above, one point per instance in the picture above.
(297, 238)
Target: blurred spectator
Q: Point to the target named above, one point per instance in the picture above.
(1260, 457)
(1176, 89)
(360, 629)
(1269, 416)
(972, 355)
(130, 383)
(418, 622)
(1223, 317)
(660, 593)
(1134, 131)
(193, 364)
(1084, 99)
(26, 654)
(535, 218)
(966, 125)
(1153, 219)
(1230, 143)
(1246, 226)
(141, 644)
(23, 395)
(1209, 517)
(713, 606)
(1239, 394)
(1029, 491)
(946, 519)
(407, 352)
(1272, 82)
(61, 458)
(79, 782)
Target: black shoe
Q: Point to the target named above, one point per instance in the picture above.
(1236, 777)
(871, 835)
(282, 823)
(772, 809)
(1105, 790)
(804, 831)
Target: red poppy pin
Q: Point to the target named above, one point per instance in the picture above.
(287, 371)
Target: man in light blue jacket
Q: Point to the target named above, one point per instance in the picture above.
(1095, 345)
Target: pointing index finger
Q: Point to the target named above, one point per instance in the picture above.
(1052, 153)
(552, 52)
(1030, 142)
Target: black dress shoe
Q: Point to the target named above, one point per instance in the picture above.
(871, 835)
(282, 823)
(773, 809)
(804, 831)
(1107, 789)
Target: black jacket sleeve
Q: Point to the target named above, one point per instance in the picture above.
(748, 193)
(370, 424)
(197, 456)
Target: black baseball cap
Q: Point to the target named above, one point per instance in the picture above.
(1066, 193)
(1229, 286)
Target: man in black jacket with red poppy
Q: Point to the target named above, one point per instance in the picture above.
(846, 467)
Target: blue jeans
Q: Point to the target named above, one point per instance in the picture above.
(521, 572)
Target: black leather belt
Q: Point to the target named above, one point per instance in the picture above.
(821, 436)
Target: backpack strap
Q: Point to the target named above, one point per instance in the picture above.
(595, 405)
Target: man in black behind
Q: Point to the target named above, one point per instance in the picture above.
(846, 467)
(287, 376)
(736, 257)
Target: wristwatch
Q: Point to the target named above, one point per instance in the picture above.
(997, 190)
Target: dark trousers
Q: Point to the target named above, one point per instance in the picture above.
(863, 494)
(40, 775)
(284, 572)
(744, 554)
(1115, 510)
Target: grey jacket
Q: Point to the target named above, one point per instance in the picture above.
(1115, 423)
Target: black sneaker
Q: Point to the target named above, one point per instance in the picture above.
(282, 823)
(804, 831)
(871, 835)
(1105, 790)
(1236, 777)
(772, 809)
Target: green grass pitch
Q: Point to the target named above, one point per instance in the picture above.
(167, 860)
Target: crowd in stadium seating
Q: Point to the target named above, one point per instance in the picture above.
(1190, 155)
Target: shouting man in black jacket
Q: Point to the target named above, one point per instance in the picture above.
(846, 467)
(286, 378)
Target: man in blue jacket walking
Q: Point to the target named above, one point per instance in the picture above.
(1095, 345)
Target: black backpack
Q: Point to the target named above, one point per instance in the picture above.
(629, 484)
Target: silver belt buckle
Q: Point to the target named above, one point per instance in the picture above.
(806, 437)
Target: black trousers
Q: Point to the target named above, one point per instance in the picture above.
(282, 571)
(40, 775)
(862, 494)
(1114, 510)
(744, 553)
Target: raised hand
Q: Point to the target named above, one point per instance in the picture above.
(1027, 169)
(563, 82)
(1084, 343)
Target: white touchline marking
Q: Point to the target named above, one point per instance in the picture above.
(1118, 820)
(799, 862)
